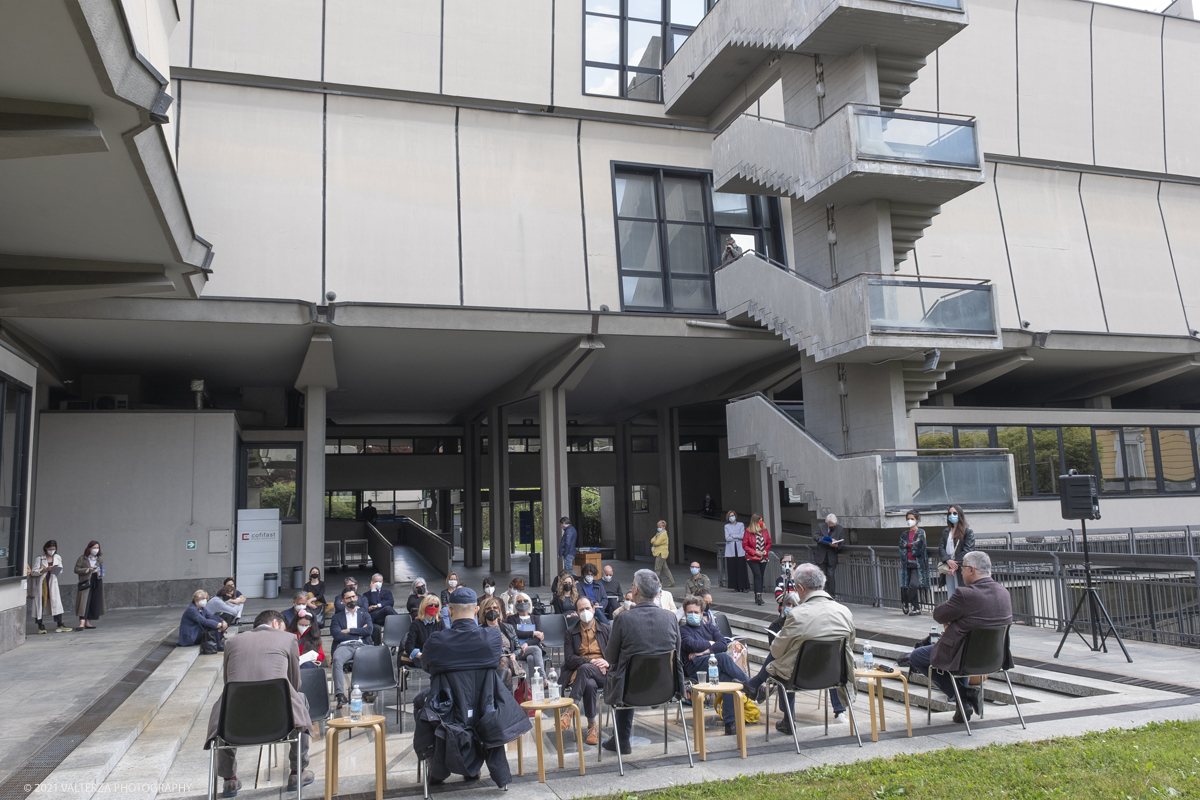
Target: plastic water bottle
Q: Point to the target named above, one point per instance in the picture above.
(714, 674)
(868, 656)
(553, 690)
(934, 635)
(538, 686)
(356, 704)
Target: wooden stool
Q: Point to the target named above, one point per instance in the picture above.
(874, 679)
(556, 706)
(331, 751)
(739, 713)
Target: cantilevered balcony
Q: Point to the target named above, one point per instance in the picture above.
(741, 37)
(859, 153)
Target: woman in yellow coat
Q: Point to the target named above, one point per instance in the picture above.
(660, 548)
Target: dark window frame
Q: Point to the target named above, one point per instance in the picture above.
(244, 475)
(19, 512)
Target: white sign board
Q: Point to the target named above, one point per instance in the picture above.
(259, 543)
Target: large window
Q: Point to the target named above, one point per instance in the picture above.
(271, 477)
(427, 445)
(626, 43)
(14, 452)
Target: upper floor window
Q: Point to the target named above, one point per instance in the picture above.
(626, 42)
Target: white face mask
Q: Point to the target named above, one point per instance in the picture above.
(51, 552)
(299, 606)
(95, 551)
(586, 616)
(452, 584)
(607, 578)
(302, 628)
(627, 603)
(202, 603)
(588, 579)
(912, 523)
(489, 590)
(375, 587)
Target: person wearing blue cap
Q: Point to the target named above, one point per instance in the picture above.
(464, 645)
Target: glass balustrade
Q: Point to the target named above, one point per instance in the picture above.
(915, 137)
(930, 306)
(935, 482)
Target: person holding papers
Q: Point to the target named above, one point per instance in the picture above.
(829, 537)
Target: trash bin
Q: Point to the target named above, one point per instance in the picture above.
(270, 585)
(297, 577)
(535, 570)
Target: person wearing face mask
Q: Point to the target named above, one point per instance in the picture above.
(612, 591)
(914, 565)
(491, 616)
(698, 584)
(710, 616)
(710, 507)
(489, 587)
(515, 587)
(350, 583)
(222, 606)
(316, 587)
(427, 620)
(308, 639)
(626, 604)
(451, 585)
(299, 603)
(785, 583)
(735, 553)
(196, 620)
(697, 641)
(565, 595)
(593, 589)
(89, 599)
(584, 668)
(524, 622)
(957, 540)
(380, 605)
(757, 544)
(413, 604)
(351, 629)
(660, 548)
(44, 586)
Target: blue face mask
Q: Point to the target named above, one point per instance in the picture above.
(695, 570)
(693, 619)
(953, 519)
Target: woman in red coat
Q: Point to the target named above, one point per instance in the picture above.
(757, 544)
(308, 638)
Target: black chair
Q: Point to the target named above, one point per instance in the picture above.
(314, 686)
(395, 631)
(554, 631)
(985, 651)
(820, 666)
(723, 624)
(651, 681)
(253, 714)
(374, 671)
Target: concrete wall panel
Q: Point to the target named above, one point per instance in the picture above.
(180, 43)
(393, 44)
(521, 220)
(978, 73)
(1054, 58)
(1048, 247)
(1180, 205)
(500, 49)
(1181, 74)
(1132, 257)
(923, 92)
(1127, 76)
(281, 38)
(392, 205)
(250, 165)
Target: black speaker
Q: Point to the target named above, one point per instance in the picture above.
(1079, 496)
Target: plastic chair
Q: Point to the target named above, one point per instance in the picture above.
(985, 651)
(723, 624)
(651, 681)
(314, 687)
(554, 629)
(820, 666)
(374, 671)
(253, 714)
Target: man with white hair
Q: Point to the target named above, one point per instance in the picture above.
(829, 537)
(980, 603)
(813, 615)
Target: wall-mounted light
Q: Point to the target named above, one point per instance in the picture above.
(931, 360)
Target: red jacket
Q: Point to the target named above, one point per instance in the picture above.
(320, 650)
(748, 544)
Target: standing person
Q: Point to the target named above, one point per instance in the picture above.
(957, 540)
(308, 639)
(89, 601)
(914, 565)
(567, 545)
(757, 544)
(370, 514)
(735, 552)
(829, 537)
(46, 569)
(660, 548)
(710, 506)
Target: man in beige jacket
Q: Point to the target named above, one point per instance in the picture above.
(816, 615)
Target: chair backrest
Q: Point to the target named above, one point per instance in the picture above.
(313, 686)
(650, 679)
(395, 629)
(820, 664)
(984, 650)
(373, 669)
(723, 625)
(255, 712)
(554, 628)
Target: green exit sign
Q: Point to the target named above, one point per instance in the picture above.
(191, 544)
(3, 552)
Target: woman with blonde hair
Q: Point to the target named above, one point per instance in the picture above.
(567, 593)
(660, 548)
(424, 624)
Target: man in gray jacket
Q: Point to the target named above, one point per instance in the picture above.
(640, 630)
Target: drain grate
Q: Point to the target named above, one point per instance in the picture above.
(39, 766)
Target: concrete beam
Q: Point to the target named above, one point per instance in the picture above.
(36, 280)
(318, 368)
(564, 368)
(499, 508)
(32, 128)
(1116, 384)
(556, 492)
(975, 375)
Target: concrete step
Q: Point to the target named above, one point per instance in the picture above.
(87, 767)
(142, 771)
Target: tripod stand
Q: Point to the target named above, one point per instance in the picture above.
(1095, 608)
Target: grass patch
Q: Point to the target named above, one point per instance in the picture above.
(1155, 761)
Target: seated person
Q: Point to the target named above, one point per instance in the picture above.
(810, 614)
(565, 595)
(460, 662)
(593, 590)
(300, 602)
(413, 603)
(315, 587)
(667, 603)
(625, 605)
(380, 605)
(236, 597)
(222, 606)
(196, 620)
(308, 638)
(451, 585)
(709, 614)
(515, 587)
(698, 642)
(338, 605)
(424, 624)
(786, 582)
(612, 588)
(489, 587)
(490, 615)
(979, 603)
(698, 584)
(584, 668)
(351, 629)
(524, 622)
